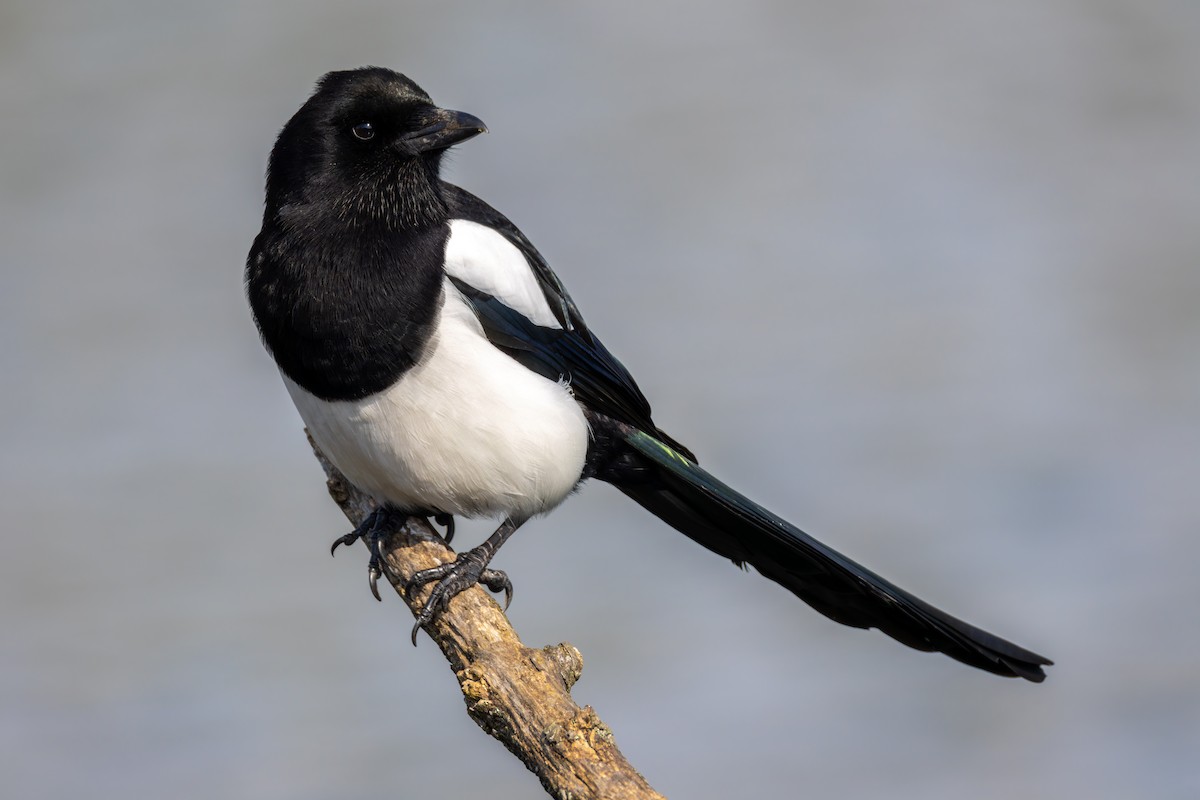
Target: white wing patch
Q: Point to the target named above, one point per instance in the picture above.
(484, 259)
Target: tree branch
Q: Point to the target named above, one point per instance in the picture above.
(519, 695)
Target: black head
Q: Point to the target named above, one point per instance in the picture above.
(366, 148)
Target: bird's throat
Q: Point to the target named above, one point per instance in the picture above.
(406, 197)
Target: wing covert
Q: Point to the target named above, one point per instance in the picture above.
(568, 351)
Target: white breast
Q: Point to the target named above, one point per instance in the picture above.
(466, 431)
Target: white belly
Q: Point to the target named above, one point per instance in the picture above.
(467, 431)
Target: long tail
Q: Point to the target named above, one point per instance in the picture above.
(698, 505)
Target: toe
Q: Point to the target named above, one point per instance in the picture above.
(349, 539)
(497, 580)
(425, 576)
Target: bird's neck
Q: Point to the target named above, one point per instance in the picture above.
(405, 198)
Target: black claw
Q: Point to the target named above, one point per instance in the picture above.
(371, 531)
(497, 580)
(372, 579)
(349, 539)
(376, 566)
(447, 522)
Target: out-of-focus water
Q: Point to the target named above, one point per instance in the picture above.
(922, 278)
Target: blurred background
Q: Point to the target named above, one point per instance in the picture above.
(922, 278)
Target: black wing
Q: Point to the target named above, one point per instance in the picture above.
(572, 352)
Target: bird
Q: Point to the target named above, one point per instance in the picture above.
(440, 364)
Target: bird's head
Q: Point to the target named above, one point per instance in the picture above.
(367, 147)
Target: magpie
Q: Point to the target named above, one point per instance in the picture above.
(442, 366)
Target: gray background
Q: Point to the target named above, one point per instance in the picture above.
(922, 277)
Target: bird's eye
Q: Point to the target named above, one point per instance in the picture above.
(364, 131)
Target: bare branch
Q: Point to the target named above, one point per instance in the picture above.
(519, 695)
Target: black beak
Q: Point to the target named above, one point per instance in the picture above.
(448, 128)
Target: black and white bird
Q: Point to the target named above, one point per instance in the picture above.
(440, 364)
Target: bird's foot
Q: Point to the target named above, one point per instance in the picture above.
(464, 572)
(374, 527)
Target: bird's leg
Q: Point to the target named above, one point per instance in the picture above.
(372, 530)
(464, 572)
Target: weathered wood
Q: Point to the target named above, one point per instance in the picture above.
(519, 695)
